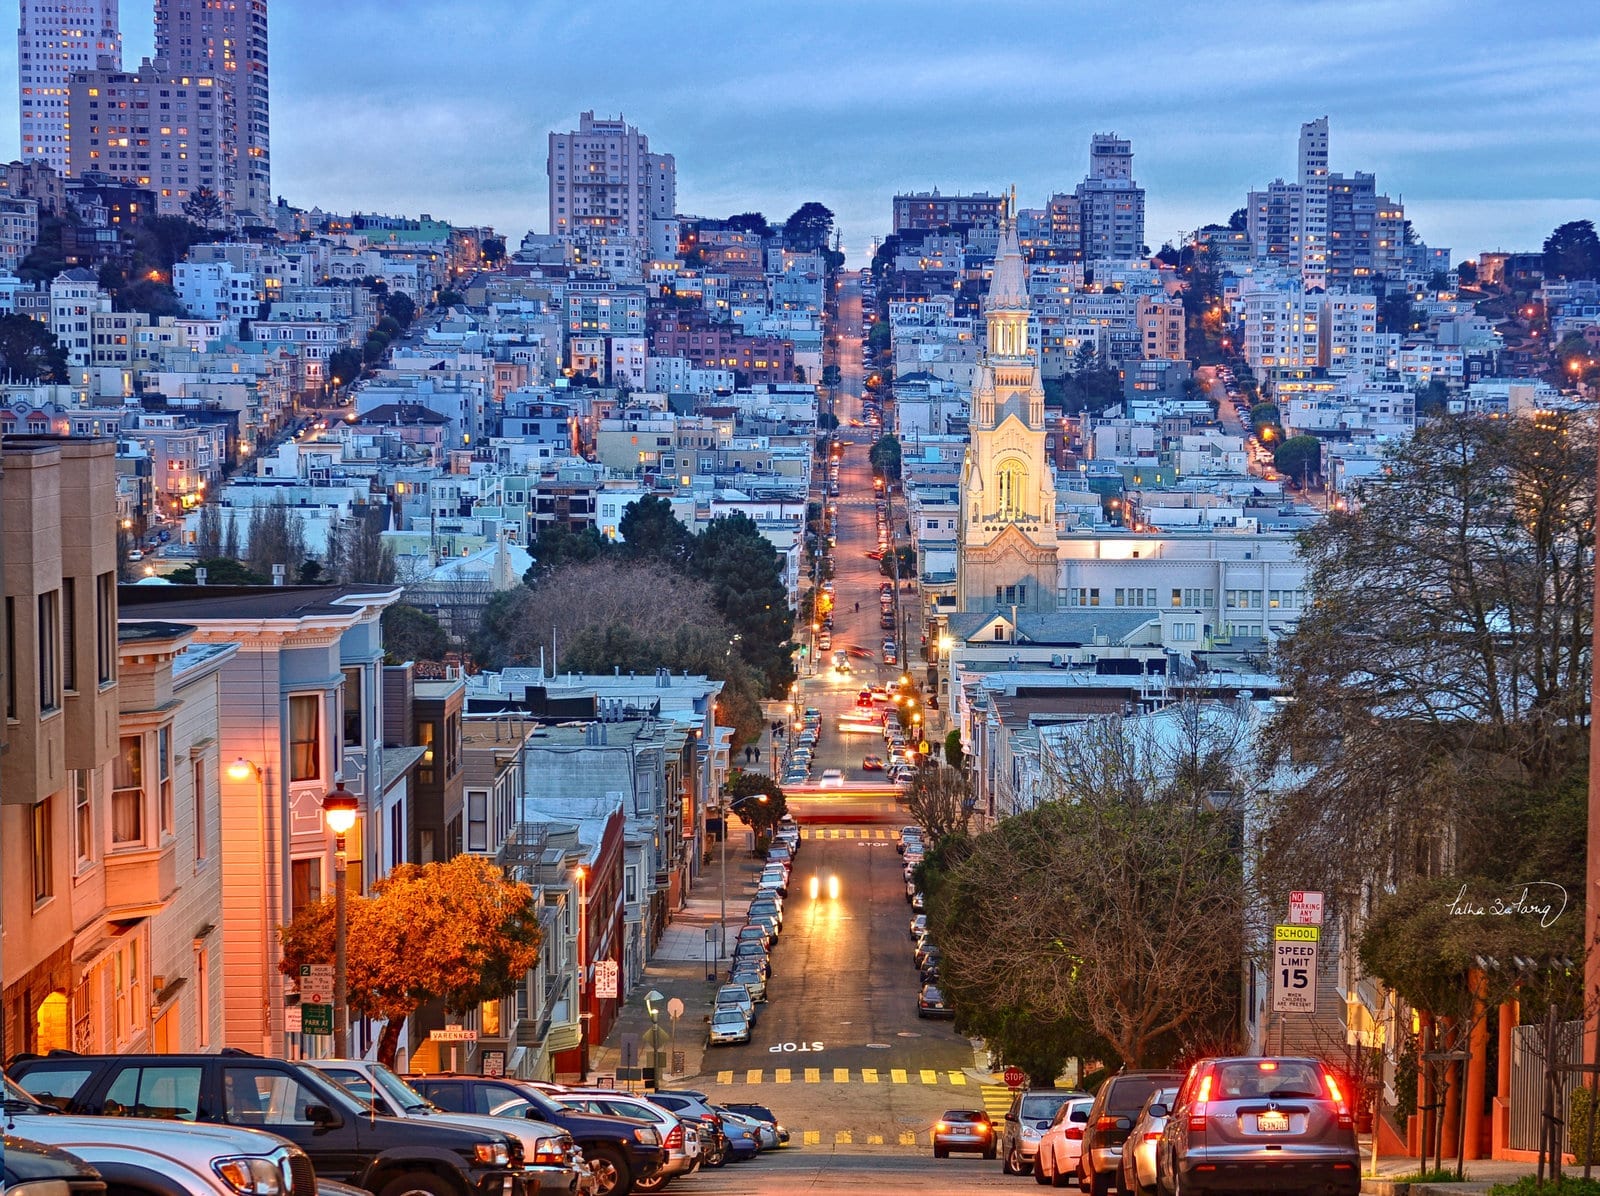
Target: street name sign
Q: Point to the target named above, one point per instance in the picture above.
(453, 1034)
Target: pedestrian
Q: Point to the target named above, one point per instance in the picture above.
(758, 755)
(858, 608)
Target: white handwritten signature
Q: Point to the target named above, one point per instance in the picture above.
(1546, 906)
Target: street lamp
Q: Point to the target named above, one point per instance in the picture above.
(582, 873)
(722, 921)
(339, 810)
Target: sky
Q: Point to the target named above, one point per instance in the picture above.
(1483, 117)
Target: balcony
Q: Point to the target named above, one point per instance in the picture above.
(140, 883)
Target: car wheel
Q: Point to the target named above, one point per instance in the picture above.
(1009, 1165)
(1039, 1176)
(1099, 1185)
(1062, 1179)
(611, 1174)
(940, 1152)
(718, 1155)
(990, 1153)
(417, 1183)
(653, 1183)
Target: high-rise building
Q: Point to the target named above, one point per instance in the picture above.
(930, 210)
(1110, 203)
(159, 129)
(55, 42)
(1314, 202)
(227, 40)
(1006, 550)
(604, 180)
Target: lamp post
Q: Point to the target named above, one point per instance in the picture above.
(583, 971)
(339, 810)
(722, 921)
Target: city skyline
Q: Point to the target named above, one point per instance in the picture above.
(845, 113)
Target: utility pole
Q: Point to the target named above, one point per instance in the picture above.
(1591, 893)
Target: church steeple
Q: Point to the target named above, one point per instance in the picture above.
(1007, 308)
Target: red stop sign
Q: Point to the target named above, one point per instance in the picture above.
(1014, 1077)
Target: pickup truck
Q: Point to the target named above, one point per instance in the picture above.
(235, 1088)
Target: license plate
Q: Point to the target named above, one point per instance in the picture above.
(1272, 1122)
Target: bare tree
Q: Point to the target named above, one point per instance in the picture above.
(938, 800)
(208, 535)
(277, 537)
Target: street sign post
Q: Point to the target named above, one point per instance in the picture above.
(316, 983)
(1294, 969)
(453, 1033)
(1305, 907)
(1015, 1077)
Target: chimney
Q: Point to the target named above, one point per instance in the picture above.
(199, 575)
(278, 573)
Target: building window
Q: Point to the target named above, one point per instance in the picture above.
(49, 651)
(452, 745)
(200, 827)
(353, 708)
(305, 883)
(105, 594)
(305, 738)
(11, 658)
(397, 834)
(69, 634)
(164, 777)
(83, 816)
(43, 881)
(127, 988)
(427, 734)
(127, 793)
(477, 820)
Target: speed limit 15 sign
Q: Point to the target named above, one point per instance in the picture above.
(1294, 969)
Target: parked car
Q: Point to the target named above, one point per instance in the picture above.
(754, 932)
(680, 1138)
(1138, 1176)
(747, 1136)
(919, 923)
(1031, 1112)
(965, 1130)
(738, 996)
(30, 1168)
(762, 1113)
(1056, 1160)
(931, 1003)
(1110, 1118)
(729, 1026)
(686, 1102)
(753, 979)
(1272, 1123)
(551, 1162)
(618, 1151)
(342, 1139)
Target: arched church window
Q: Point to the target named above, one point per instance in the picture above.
(1010, 479)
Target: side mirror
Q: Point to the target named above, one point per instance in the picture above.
(1123, 1125)
(321, 1115)
(1158, 1110)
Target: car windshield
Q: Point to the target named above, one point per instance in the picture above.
(17, 1099)
(1251, 1079)
(403, 1094)
(965, 1115)
(1129, 1094)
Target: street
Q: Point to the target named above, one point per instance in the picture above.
(850, 1170)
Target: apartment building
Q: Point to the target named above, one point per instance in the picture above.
(53, 44)
(603, 178)
(58, 816)
(1110, 203)
(930, 210)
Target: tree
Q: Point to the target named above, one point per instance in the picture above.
(1445, 659)
(750, 222)
(412, 634)
(449, 297)
(1299, 458)
(745, 574)
(808, 228)
(939, 800)
(458, 932)
(1432, 398)
(357, 552)
(884, 457)
(208, 535)
(400, 308)
(220, 571)
(900, 564)
(1396, 313)
(760, 816)
(831, 375)
(953, 755)
(1467, 273)
(1239, 220)
(29, 351)
(277, 537)
(1573, 251)
(558, 545)
(345, 366)
(1084, 359)
(652, 531)
(493, 250)
(204, 207)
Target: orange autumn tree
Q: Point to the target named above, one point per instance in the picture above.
(458, 932)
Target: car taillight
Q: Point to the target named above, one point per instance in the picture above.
(940, 1127)
(675, 1138)
(1197, 1111)
(1106, 1123)
(1337, 1097)
(1075, 1134)
(1152, 1135)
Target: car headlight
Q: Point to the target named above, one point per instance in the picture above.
(492, 1154)
(648, 1134)
(550, 1152)
(250, 1175)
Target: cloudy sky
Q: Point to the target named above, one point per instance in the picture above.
(1483, 116)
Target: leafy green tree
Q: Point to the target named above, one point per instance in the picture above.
(953, 755)
(29, 351)
(220, 571)
(48, 257)
(828, 421)
(831, 375)
(557, 545)
(1299, 458)
(1239, 220)
(400, 308)
(750, 222)
(1573, 251)
(809, 227)
(651, 531)
(745, 574)
(204, 207)
(884, 457)
(1467, 273)
(1396, 313)
(1432, 398)
(761, 816)
(493, 250)
(412, 634)
(449, 297)
(345, 365)
(903, 559)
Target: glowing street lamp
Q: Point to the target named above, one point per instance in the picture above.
(339, 810)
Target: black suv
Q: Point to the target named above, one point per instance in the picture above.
(618, 1149)
(387, 1157)
(1110, 1118)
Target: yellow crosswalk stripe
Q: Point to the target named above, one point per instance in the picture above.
(841, 1075)
(958, 1078)
(780, 1076)
(843, 1138)
(813, 1075)
(724, 1077)
(996, 1099)
(897, 1075)
(908, 1138)
(812, 1137)
(929, 1076)
(869, 1075)
(874, 1139)
(753, 1076)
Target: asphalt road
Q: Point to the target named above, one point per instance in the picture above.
(805, 1170)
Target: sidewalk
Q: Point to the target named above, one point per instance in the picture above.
(679, 968)
(1480, 1175)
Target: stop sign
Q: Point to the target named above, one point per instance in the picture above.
(1014, 1077)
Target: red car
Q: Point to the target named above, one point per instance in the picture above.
(872, 764)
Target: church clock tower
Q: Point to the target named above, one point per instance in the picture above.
(1007, 551)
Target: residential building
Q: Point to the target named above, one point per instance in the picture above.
(1110, 203)
(930, 210)
(19, 231)
(53, 44)
(603, 178)
(227, 39)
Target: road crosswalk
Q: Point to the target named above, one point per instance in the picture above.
(996, 1101)
(878, 834)
(925, 1076)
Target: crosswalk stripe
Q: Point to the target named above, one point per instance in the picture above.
(996, 1099)
(753, 1076)
(929, 1076)
(908, 1138)
(843, 1138)
(897, 1075)
(812, 1137)
(957, 1078)
(869, 1075)
(780, 1076)
(813, 1075)
(874, 1139)
(841, 1075)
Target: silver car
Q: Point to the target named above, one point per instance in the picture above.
(1139, 1151)
(729, 1025)
(1030, 1114)
(680, 1139)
